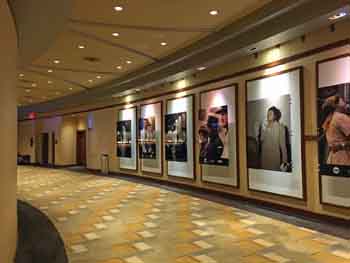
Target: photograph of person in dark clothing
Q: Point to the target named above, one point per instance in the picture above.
(213, 136)
(124, 139)
(176, 138)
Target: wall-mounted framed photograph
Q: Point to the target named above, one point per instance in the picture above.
(150, 137)
(333, 108)
(217, 135)
(126, 138)
(179, 137)
(274, 126)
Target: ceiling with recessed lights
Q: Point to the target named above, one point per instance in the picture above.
(105, 40)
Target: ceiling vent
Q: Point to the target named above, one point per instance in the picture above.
(92, 59)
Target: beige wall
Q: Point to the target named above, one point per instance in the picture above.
(65, 130)
(26, 132)
(8, 135)
(102, 138)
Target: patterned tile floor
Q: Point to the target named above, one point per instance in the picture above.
(108, 220)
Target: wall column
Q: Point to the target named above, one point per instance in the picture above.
(8, 134)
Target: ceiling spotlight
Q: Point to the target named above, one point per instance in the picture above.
(99, 77)
(201, 68)
(28, 90)
(128, 62)
(81, 46)
(90, 80)
(34, 85)
(118, 8)
(214, 12)
(21, 75)
(119, 67)
(56, 61)
(163, 44)
(70, 88)
(337, 16)
(115, 34)
(50, 71)
(49, 82)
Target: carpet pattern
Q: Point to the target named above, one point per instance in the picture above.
(109, 220)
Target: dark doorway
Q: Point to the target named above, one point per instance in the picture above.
(81, 148)
(44, 148)
(53, 143)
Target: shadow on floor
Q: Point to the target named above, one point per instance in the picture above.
(38, 239)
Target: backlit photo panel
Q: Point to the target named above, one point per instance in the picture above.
(150, 130)
(126, 139)
(274, 134)
(179, 150)
(333, 100)
(217, 136)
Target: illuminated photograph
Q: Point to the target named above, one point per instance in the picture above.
(269, 134)
(124, 139)
(213, 136)
(147, 137)
(334, 129)
(175, 129)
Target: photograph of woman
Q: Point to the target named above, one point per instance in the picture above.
(335, 130)
(272, 140)
(269, 134)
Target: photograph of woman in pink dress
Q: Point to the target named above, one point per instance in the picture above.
(336, 128)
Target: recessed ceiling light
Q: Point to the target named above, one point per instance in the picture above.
(163, 44)
(115, 34)
(28, 90)
(118, 8)
(21, 75)
(70, 88)
(214, 12)
(90, 80)
(128, 62)
(49, 82)
(81, 46)
(56, 61)
(99, 77)
(50, 71)
(201, 68)
(337, 16)
(34, 84)
(119, 67)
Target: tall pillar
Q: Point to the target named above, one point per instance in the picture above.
(8, 134)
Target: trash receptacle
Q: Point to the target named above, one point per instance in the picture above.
(105, 163)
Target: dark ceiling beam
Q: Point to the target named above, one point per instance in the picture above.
(113, 44)
(74, 70)
(143, 28)
(52, 76)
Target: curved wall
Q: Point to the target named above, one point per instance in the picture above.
(8, 139)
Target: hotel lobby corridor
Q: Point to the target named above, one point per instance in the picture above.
(114, 220)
